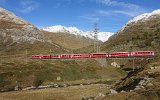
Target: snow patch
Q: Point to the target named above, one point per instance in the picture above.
(142, 17)
(102, 36)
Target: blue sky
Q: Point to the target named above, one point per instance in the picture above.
(110, 15)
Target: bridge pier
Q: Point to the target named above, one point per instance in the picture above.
(133, 64)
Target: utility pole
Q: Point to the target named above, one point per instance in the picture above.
(133, 64)
(26, 56)
(50, 51)
(95, 31)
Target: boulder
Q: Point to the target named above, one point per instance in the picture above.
(149, 84)
(113, 91)
(99, 96)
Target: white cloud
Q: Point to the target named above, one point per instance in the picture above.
(28, 6)
(128, 12)
(2, 1)
(90, 18)
(61, 3)
(124, 12)
(104, 13)
(116, 3)
(128, 9)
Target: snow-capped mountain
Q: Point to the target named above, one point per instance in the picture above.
(140, 33)
(145, 16)
(102, 36)
(142, 18)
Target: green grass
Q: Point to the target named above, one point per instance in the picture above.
(68, 93)
(122, 72)
(69, 41)
(45, 71)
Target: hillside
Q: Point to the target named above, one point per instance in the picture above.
(140, 33)
(69, 41)
(20, 39)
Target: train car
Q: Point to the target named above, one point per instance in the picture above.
(36, 57)
(45, 56)
(55, 56)
(98, 55)
(143, 54)
(80, 55)
(118, 54)
(40, 57)
(65, 56)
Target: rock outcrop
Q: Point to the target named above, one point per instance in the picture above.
(15, 29)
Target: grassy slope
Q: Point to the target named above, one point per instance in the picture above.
(138, 36)
(69, 41)
(16, 68)
(18, 72)
(69, 93)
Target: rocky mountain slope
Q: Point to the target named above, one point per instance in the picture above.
(140, 33)
(102, 36)
(16, 29)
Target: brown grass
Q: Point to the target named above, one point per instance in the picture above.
(68, 40)
(68, 93)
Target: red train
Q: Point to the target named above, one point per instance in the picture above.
(97, 55)
(143, 54)
(69, 56)
(118, 54)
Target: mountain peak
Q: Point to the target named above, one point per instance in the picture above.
(102, 36)
(156, 11)
(17, 28)
(6, 15)
(142, 18)
(145, 16)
